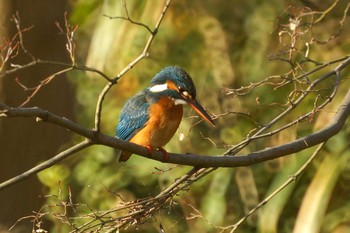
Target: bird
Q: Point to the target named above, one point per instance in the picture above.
(151, 117)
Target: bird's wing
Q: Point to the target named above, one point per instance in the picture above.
(133, 117)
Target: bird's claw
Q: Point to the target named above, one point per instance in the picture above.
(164, 152)
(150, 150)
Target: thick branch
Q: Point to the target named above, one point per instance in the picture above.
(234, 150)
(191, 159)
(273, 152)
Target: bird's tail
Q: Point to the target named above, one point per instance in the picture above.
(123, 155)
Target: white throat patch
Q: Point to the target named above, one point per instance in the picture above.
(159, 88)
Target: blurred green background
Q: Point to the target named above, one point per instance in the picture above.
(223, 45)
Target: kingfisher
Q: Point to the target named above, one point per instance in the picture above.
(152, 116)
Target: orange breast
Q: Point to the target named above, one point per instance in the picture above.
(165, 118)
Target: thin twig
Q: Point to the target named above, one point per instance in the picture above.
(41, 84)
(20, 31)
(242, 144)
(291, 179)
(48, 163)
(17, 67)
(128, 67)
(128, 18)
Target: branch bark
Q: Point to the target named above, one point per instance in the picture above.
(185, 159)
(64, 154)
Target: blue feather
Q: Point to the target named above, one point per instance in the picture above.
(135, 113)
(133, 117)
(177, 75)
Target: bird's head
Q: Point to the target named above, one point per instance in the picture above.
(174, 82)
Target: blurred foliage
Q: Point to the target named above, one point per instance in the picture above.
(222, 44)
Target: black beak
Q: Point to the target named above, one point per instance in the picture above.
(200, 110)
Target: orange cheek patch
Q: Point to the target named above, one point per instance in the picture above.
(171, 85)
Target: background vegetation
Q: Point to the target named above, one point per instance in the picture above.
(226, 46)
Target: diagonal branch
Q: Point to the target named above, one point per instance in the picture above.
(291, 179)
(64, 154)
(305, 93)
(316, 138)
(143, 55)
(17, 67)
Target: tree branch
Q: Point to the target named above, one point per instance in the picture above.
(185, 159)
(17, 67)
(291, 179)
(128, 67)
(64, 154)
(202, 165)
(128, 18)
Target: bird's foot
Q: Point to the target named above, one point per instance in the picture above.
(150, 150)
(164, 152)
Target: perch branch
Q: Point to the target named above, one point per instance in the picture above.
(186, 159)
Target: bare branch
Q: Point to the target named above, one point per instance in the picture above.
(46, 116)
(341, 22)
(20, 31)
(142, 210)
(64, 154)
(187, 159)
(41, 84)
(69, 32)
(127, 18)
(292, 106)
(17, 67)
(9, 48)
(291, 179)
(128, 67)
